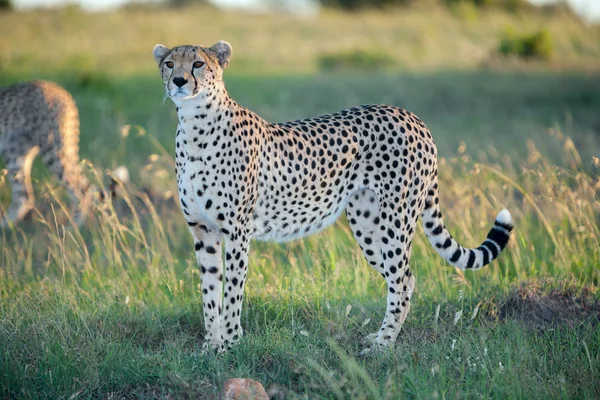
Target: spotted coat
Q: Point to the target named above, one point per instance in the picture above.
(39, 118)
(241, 177)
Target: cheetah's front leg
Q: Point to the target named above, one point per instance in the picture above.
(207, 243)
(19, 176)
(236, 259)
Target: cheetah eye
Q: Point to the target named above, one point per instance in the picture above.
(198, 64)
(169, 64)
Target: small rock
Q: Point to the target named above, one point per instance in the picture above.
(244, 389)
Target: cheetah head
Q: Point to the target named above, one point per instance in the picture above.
(190, 70)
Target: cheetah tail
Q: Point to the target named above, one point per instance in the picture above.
(449, 248)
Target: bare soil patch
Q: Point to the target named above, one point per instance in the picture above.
(547, 303)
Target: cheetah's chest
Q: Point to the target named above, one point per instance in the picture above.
(197, 194)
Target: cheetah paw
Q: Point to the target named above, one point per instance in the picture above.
(229, 341)
(370, 338)
(375, 349)
(209, 347)
(376, 346)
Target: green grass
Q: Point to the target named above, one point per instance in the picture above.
(114, 310)
(486, 110)
(117, 310)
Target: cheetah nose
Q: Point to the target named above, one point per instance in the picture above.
(179, 81)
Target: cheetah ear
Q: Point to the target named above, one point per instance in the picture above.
(160, 52)
(223, 51)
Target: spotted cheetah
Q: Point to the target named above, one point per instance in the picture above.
(241, 177)
(39, 118)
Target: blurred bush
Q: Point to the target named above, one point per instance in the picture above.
(468, 9)
(360, 4)
(536, 45)
(355, 60)
(510, 5)
(185, 3)
(6, 5)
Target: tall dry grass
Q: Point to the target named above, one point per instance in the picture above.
(115, 308)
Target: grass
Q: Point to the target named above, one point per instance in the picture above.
(114, 310)
(487, 110)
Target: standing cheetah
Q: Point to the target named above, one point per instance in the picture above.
(240, 176)
(39, 118)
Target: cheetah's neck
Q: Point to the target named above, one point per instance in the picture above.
(203, 118)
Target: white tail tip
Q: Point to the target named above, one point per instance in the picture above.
(504, 217)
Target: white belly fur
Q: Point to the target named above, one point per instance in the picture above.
(293, 232)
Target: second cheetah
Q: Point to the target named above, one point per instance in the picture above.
(40, 117)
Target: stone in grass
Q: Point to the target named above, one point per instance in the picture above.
(244, 389)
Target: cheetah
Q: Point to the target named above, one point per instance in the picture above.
(40, 117)
(241, 177)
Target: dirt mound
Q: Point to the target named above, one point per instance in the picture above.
(544, 304)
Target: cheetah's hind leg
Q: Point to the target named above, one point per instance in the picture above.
(387, 249)
(363, 217)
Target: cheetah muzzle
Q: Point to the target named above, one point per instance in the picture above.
(241, 177)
